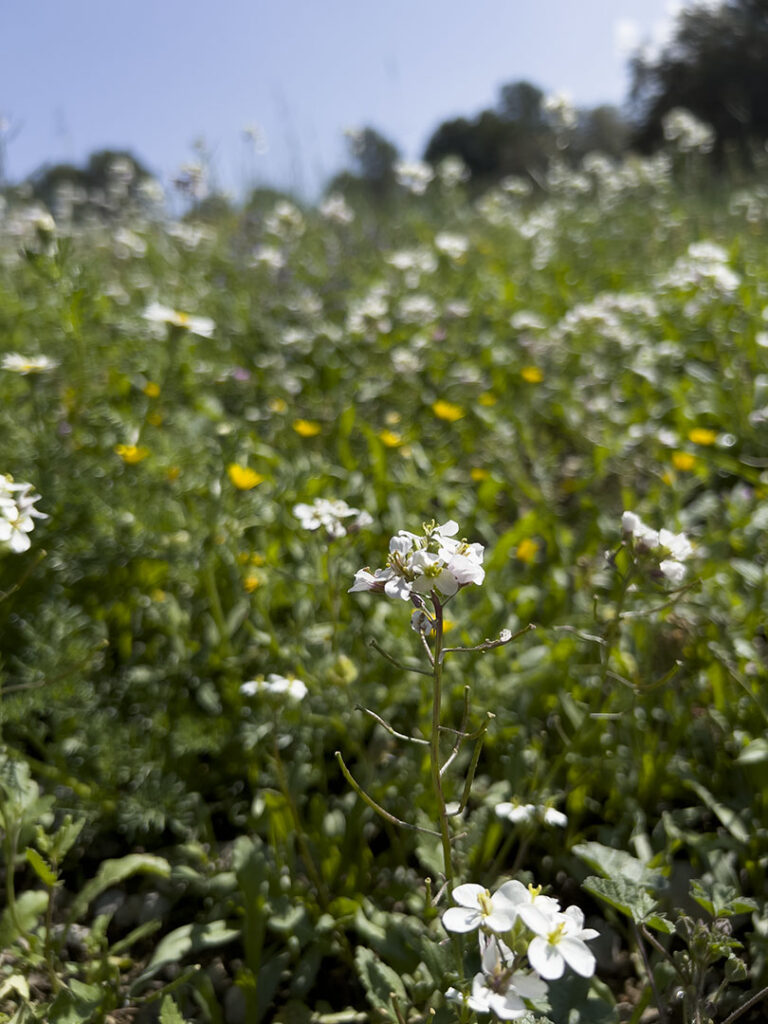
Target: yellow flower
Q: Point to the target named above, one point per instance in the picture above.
(448, 624)
(487, 399)
(173, 473)
(392, 418)
(251, 583)
(155, 419)
(131, 453)
(532, 374)
(306, 428)
(478, 473)
(243, 477)
(701, 435)
(447, 410)
(526, 550)
(683, 461)
(390, 438)
(278, 405)
(151, 390)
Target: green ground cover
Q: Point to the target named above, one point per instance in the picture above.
(178, 847)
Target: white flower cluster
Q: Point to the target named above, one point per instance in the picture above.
(668, 549)
(288, 685)
(419, 565)
(518, 924)
(687, 132)
(520, 814)
(336, 517)
(17, 515)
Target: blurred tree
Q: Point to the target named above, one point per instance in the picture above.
(716, 66)
(514, 138)
(601, 129)
(110, 180)
(373, 160)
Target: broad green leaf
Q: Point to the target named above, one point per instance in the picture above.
(379, 981)
(617, 864)
(77, 1004)
(755, 752)
(170, 1013)
(630, 899)
(112, 872)
(30, 906)
(720, 899)
(190, 938)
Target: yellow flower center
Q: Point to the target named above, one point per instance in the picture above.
(486, 907)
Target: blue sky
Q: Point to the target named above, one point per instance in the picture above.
(154, 75)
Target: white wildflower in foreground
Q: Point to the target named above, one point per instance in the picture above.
(552, 939)
(477, 908)
(289, 685)
(17, 363)
(669, 550)
(337, 518)
(498, 988)
(418, 566)
(415, 175)
(563, 942)
(159, 314)
(17, 515)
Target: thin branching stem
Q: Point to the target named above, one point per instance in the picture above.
(377, 807)
(459, 734)
(406, 668)
(488, 645)
(747, 1006)
(392, 731)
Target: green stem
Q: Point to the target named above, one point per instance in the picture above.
(434, 745)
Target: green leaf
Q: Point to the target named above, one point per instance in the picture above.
(77, 1004)
(728, 817)
(630, 899)
(617, 864)
(170, 1013)
(720, 899)
(30, 906)
(112, 872)
(43, 870)
(755, 752)
(189, 938)
(378, 980)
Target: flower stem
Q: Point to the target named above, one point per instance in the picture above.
(434, 746)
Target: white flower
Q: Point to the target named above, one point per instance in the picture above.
(414, 175)
(537, 911)
(17, 363)
(435, 562)
(659, 543)
(563, 942)
(497, 988)
(289, 685)
(159, 314)
(478, 909)
(17, 514)
(519, 813)
(331, 516)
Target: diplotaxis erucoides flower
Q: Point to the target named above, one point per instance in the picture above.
(336, 517)
(420, 565)
(17, 514)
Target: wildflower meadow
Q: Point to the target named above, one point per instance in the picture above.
(383, 603)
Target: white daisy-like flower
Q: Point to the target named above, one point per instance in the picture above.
(17, 363)
(156, 313)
